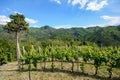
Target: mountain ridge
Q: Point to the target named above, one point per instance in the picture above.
(107, 36)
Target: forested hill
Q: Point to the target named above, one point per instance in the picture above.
(106, 35)
(47, 32)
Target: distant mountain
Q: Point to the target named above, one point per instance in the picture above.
(101, 35)
(47, 32)
(106, 36)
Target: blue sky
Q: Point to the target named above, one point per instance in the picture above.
(63, 13)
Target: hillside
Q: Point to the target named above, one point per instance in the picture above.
(106, 36)
(101, 35)
(47, 32)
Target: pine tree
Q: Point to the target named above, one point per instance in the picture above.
(16, 24)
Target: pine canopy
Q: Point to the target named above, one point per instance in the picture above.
(17, 23)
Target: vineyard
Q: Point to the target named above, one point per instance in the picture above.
(66, 55)
(77, 56)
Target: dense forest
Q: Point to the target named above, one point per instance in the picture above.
(107, 36)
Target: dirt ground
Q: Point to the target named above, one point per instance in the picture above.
(10, 72)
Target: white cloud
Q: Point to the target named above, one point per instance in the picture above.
(95, 5)
(4, 20)
(32, 21)
(69, 26)
(75, 2)
(94, 25)
(69, 1)
(112, 20)
(63, 26)
(57, 1)
(79, 26)
(82, 3)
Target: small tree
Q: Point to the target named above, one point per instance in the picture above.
(16, 24)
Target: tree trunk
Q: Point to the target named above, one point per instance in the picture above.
(62, 64)
(52, 66)
(110, 72)
(0, 62)
(22, 65)
(78, 66)
(18, 50)
(72, 66)
(40, 64)
(96, 70)
(44, 65)
(29, 68)
(82, 66)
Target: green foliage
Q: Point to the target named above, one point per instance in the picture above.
(3, 57)
(6, 51)
(108, 36)
(31, 57)
(68, 57)
(17, 23)
(109, 56)
(98, 57)
(47, 32)
(84, 53)
(114, 59)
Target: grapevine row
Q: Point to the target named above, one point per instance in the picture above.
(108, 56)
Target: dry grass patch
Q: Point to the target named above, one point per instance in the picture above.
(10, 72)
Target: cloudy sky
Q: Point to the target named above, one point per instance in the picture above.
(63, 13)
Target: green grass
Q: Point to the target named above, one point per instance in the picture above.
(10, 72)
